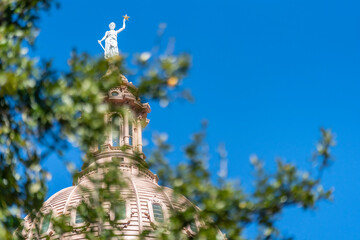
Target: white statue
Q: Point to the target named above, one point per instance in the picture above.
(111, 45)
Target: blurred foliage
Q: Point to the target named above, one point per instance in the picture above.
(228, 207)
(44, 111)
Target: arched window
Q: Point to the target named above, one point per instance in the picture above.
(158, 212)
(115, 130)
(78, 218)
(77, 214)
(118, 211)
(130, 133)
(114, 93)
(45, 224)
(193, 226)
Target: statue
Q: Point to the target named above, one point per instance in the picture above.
(110, 37)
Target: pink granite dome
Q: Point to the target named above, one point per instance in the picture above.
(141, 195)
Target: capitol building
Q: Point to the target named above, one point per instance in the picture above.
(140, 204)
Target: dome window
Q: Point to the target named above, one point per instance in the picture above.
(119, 210)
(193, 227)
(130, 133)
(115, 130)
(78, 218)
(114, 94)
(158, 212)
(45, 224)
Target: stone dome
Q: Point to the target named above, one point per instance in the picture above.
(143, 198)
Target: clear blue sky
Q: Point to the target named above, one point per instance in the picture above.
(266, 75)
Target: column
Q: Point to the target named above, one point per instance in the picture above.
(107, 133)
(126, 128)
(139, 135)
(135, 136)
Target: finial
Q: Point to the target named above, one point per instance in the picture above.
(111, 46)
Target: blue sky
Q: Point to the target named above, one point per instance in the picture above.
(267, 74)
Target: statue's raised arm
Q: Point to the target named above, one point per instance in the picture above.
(123, 27)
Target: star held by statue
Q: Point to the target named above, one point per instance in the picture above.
(126, 17)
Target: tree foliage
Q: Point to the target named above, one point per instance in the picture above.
(43, 110)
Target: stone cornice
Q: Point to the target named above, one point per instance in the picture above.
(128, 165)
